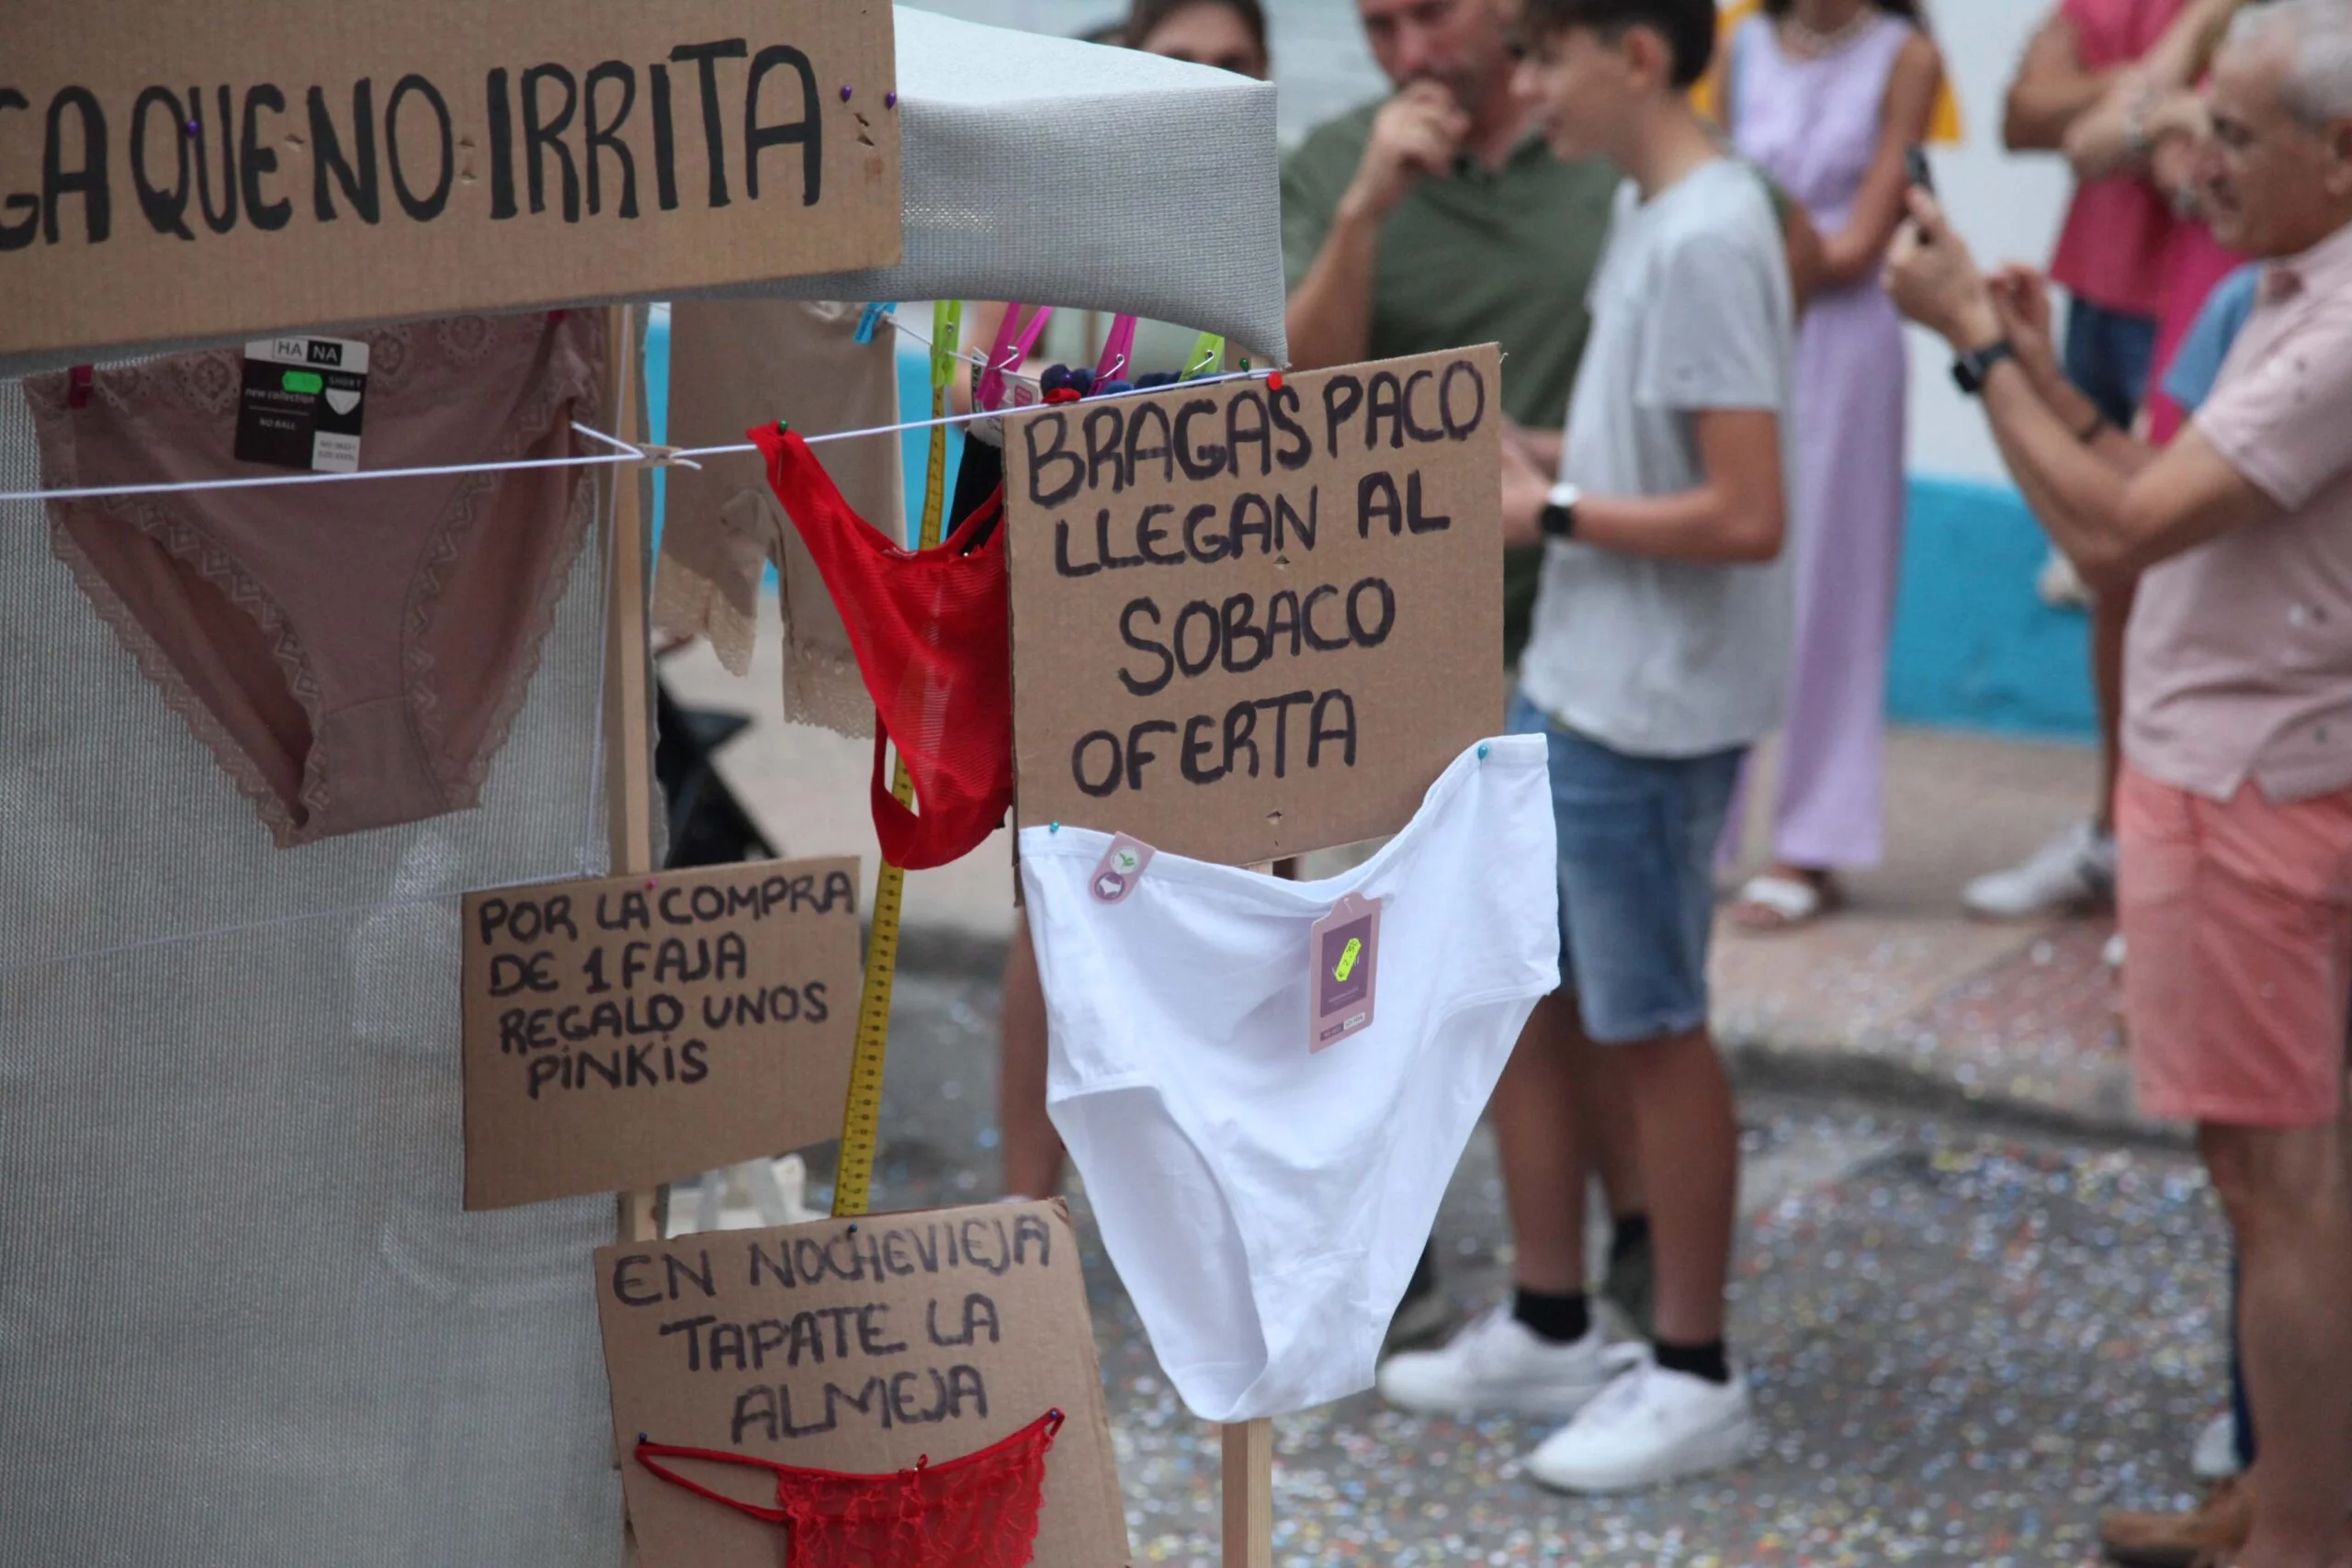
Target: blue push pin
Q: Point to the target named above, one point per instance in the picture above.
(1482, 751)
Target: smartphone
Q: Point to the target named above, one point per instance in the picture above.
(1916, 160)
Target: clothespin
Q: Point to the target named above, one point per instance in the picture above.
(78, 382)
(1014, 341)
(873, 317)
(946, 331)
(1118, 351)
(1208, 352)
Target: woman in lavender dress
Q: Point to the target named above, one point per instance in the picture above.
(1829, 96)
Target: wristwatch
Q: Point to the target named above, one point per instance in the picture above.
(1560, 513)
(1970, 369)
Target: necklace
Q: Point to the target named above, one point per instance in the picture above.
(1817, 41)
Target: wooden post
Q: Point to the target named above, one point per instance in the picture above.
(1248, 1474)
(628, 695)
(1249, 1495)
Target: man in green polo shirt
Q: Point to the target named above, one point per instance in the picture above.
(1432, 219)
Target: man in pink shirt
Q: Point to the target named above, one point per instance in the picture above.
(2234, 819)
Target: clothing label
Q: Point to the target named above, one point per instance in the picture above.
(303, 403)
(1120, 869)
(1344, 947)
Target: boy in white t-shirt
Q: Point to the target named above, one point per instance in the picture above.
(1658, 656)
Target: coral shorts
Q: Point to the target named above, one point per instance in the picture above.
(2237, 915)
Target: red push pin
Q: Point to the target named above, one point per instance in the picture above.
(1274, 380)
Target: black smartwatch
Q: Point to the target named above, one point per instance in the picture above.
(1560, 513)
(1969, 370)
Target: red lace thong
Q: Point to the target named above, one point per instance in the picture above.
(932, 636)
(979, 1511)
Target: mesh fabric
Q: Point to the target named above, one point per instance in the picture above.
(933, 640)
(979, 1511)
(242, 1317)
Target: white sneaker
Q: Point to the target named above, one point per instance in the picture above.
(2075, 869)
(2215, 1456)
(1499, 1364)
(1651, 1427)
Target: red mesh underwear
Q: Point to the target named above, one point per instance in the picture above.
(979, 1511)
(932, 636)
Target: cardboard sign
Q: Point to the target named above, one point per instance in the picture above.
(1248, 621)
(203, 172)
(639, 1029)
(858, 1346)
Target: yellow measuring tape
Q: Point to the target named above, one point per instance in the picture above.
(862, 1116)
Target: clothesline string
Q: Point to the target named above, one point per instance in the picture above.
(629, 453)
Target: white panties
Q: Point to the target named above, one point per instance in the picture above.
(1265, 1204)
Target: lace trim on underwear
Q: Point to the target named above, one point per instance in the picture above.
(820, 686)
(828, 691)
(461, 779)
(192, 547)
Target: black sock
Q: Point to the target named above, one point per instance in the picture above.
(1629, 1235)
(1707, 1361)
(1560, 1320)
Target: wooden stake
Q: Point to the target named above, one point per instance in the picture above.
(628, 691)
(1250, 1495)
(1248, 1470)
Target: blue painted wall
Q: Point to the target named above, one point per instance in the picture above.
(1975, 646)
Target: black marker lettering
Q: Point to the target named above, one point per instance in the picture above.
(1459, 428)
(807, 133)
(1344, 732)
(1150, 684)
(706, 57)
(358, 176)
(501, 147)
(88, 181)
(1136, 759)
(665, 141)
(1342, 395)
(1110, 784)
(219, 223)
(424, 208)
(1059, 427)
(17, 235)
(540, 135)
(599, 136)
(166, 210)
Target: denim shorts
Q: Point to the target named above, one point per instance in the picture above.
(1637, 838)
(2107, 356)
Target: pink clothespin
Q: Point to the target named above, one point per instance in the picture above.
(1014, 341)
(78, 382)
(1118, 351)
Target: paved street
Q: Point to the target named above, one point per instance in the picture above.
(1979, 1300)
(1965, 1342)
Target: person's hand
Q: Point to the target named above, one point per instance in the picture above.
(2022, 298)
(1418, 133)
(1541, 447)
(1525, 486)
(1933, 281)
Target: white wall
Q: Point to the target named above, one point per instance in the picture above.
(2009, 208)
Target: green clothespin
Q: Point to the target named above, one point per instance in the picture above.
(946, 332)
(1208, 352)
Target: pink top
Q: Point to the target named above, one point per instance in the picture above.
(2239, 665)
(2112, 249)
(2196, 264)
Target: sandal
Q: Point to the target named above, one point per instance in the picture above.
(1774, 902)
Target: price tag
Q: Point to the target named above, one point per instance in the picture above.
(301, 404)
(1120, 869)
(1344, 948)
